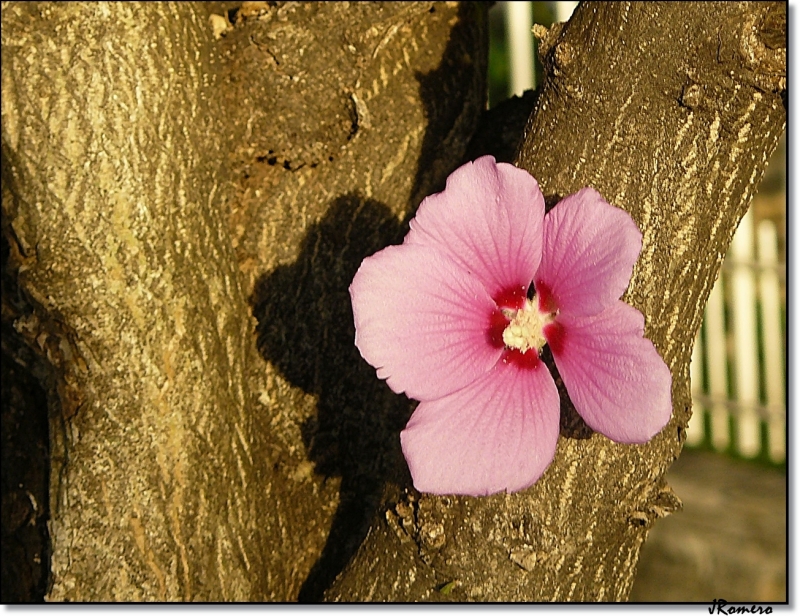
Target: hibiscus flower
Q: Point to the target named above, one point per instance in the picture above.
(457, 315)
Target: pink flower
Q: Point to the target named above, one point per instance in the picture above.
(445, 317)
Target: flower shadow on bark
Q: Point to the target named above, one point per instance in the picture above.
(305, 320)
(305, 328)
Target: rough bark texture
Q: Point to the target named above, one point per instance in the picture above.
(187, 193)
(115, 198)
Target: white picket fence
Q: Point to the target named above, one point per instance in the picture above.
(737, 370)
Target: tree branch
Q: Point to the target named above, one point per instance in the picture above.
(655, 106)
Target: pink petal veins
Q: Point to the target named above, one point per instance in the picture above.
(422, 321)
(497, 434)
(590, 248)
(489, 220)
(615, 377)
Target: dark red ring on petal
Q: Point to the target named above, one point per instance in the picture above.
(528, 360)
(497, 325)
(513, 297)
(554, 334)
(547, 301)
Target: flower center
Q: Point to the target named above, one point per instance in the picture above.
(525, 330)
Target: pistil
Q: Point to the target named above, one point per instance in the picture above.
(525, 330)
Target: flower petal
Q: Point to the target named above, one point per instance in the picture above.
(590, 248)
(489, 220)
(615, 377)
(499, 433)
(422, 321)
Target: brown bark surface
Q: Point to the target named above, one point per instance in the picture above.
(187, 192)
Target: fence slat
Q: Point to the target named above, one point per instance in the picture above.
(695, 431)
(519, 21)
(717, 364)
(563, 10)
(771, 335)
(743, 314)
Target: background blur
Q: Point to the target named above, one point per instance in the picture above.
(729, 542)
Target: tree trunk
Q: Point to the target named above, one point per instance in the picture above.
(187, 193)
(160, 188)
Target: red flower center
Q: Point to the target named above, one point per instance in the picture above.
(519, 325)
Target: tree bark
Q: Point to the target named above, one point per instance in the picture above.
(162, 187)
(115, 201)
(189, 189)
